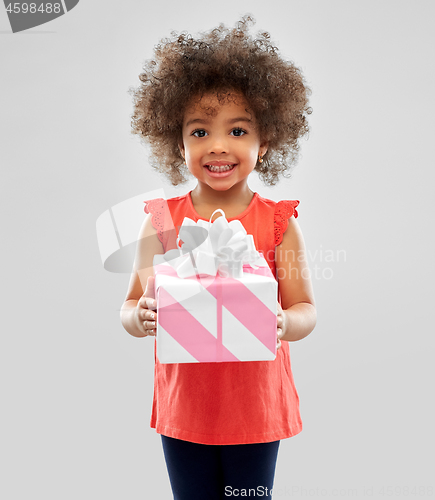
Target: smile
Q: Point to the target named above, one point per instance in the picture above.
(222, 168)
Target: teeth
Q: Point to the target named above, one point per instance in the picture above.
(223, 168)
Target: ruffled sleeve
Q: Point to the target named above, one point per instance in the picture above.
(157, 209)
(283, 211)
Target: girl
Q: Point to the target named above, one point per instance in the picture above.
(219, 107)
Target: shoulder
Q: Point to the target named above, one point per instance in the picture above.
(163, 213)
(265, 202)
(283, 208)
(157, 206)
(283, 211)
(278, 211)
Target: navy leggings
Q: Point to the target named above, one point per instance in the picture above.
(217, 472)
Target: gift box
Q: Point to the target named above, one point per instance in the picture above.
(216, 296)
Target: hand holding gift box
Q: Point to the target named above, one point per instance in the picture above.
(216, 296)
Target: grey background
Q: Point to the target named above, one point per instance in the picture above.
(76, 389)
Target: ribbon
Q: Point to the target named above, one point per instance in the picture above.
(211, 248)
(219, 301)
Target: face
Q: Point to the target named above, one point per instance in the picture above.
(221, 143)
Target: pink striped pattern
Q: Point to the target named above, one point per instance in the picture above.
(230, 293)
(256, 316)
(189, 332)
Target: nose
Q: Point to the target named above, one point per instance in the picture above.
(218, 144)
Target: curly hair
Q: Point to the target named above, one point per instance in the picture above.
(220, 61)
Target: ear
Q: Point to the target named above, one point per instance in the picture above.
(181, 148)
(263, 148)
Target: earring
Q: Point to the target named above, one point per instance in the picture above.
(260, 159)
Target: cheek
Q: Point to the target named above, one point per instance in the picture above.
(190, 155)
(253, 155)
(191, 166)
(189, 147)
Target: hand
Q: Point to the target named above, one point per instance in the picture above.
(280, 325)
(145, 313)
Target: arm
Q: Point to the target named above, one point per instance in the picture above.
(298, 315)
(137, 316)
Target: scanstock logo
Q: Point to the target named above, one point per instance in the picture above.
(25, 15)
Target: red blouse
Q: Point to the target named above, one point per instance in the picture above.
(231, 402)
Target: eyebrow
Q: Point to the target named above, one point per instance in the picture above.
(206, 120)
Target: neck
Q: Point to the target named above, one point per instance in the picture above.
(239, 194)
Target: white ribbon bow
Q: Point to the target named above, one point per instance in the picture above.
(210, 248)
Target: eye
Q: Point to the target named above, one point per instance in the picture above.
(238, 132)
(199, 132)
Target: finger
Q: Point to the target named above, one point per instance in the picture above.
(149, 289)
(149, 326)
(147, 303)
(279, 333)
(150, 315)
(150, 303)
(146, 314)
(279, 321)
(278, 345)
(151, 332)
